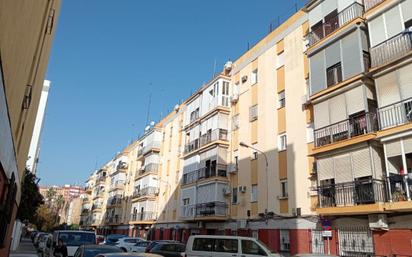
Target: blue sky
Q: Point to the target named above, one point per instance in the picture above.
(108, 56)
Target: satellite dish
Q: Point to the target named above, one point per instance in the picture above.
(152, 123)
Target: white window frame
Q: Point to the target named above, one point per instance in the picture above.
(254, 77)
(254, 193)
(282, 142)
(284, 189)
(281, 99)
(284, 240)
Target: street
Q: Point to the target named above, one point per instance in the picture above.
(25, 249)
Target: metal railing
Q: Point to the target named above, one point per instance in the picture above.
(118, 183)
(214, 135)
(142, 216)
(113, 220)
(192, 146)
(114, 201)
(151, 167)
(101, 179)
(205, 209)
(203, 173)
(391, 49)
(147, 191)
(359, 192)
(352, 127)
(395, 114)
(148, 148)
(369, 4)
(345, 16)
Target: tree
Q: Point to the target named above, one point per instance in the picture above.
(30, 199)
(45, 218)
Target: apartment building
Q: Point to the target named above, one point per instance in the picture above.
(26, 33)
(359, 78)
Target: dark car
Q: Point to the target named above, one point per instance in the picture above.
(155, 242)
(128, 254)
(168, 249)
(112, 239)
(93, 250)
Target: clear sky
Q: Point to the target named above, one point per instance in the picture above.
(108, 56)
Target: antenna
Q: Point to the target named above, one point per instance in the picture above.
(148, 105)
(214, 68)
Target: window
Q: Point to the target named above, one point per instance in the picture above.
(167, 247)
(254, 77)
(280, 61)
(226, 245)
(281, 99)
(309, 133)
(203, 244)
(284, 188)
(234, 195)
(225, 88)
(253, 193)
(194, 115)
(334, 74)
(282, 142)
(186, 201)
(250, 247)
(237, 162)
(253, 112)
(254, 155)
(284, 240)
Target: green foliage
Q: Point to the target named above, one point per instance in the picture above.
(30, 199)
(46, 219)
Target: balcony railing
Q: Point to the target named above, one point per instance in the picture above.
(113, 219)
(396, 114)
(204, 210)
(147, 191)
(203, 173)
(353, 193)
(369, 4)
(352, 127)
(149, 147)
(118, 184)
(217, 134)
(192, 146)
(333, 23)
(143, 216)
(114, 201)
(151, 167)
(391, 49)
(101, 179)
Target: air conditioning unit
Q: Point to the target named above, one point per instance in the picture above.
(378, 221)
(244, 79)
(226, 191)
(232, 168)
(242, 189)
(234, 98)
(305, 99)
(142, 168)
(241, 224)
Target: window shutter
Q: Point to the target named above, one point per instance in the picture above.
(405, 81)
(332, 54)
(342, 169)
(393, 21)
(315, 15)
(351, 55)
(407, 145)
(355, 100)
(321, 111)
(407, 10)
(376, 32)
(318, 72)
(328, 6)
(388, 91)
(337, 107)
(361, 163)
(393, 148)
(325, 168)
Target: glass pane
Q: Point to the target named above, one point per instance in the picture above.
(226, 245)
(250, 247)
(202, 244)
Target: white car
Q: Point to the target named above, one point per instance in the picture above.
(125, 243)
(139, 247)
(226, 246)
(72, 239)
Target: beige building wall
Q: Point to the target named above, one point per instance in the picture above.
(290, 165)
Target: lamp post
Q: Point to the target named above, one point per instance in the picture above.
(266, 214)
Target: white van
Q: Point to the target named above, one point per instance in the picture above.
(222, 246)
(72, 239)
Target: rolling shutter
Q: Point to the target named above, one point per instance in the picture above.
(351, 55)
(407, 10)
(393, 148)
(318, 72)
(361, 160)
(321, 111)
(407, 145)
(393, 21)
(388, 91)
(405, 81)
(325, 168)
(315, 15)
(376, 32)
(342, 168)
(355, 100)
(332, 54)
(337, 107)
(328, 6)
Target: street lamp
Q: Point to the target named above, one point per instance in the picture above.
(266, 214)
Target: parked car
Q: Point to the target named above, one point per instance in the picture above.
(33, 234)
(42, 242)
(313, 255)
(168, 249)
(112, 239)
(139, 247)
(72, 239)
(125, 243)
(128, 254)
(93, 250)
(37, 238)
(155, 242)
(222, 246)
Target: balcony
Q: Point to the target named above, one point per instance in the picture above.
(202, 210)
(122, 167)
(118, 184)
(85, 212)
(100, 179)
(148, 168)
(146, 192)
(334, 22)
(392, 49)
(149, 147)
(396, 114)
(211, 136)
(113, 219)
(143, 216)
(347, 129)
(369, 4)
(204, 173)
(114, 201)
(192, 146)
(96, 207)
(361, 192)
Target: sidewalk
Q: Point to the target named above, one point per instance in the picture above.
(25, 249)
